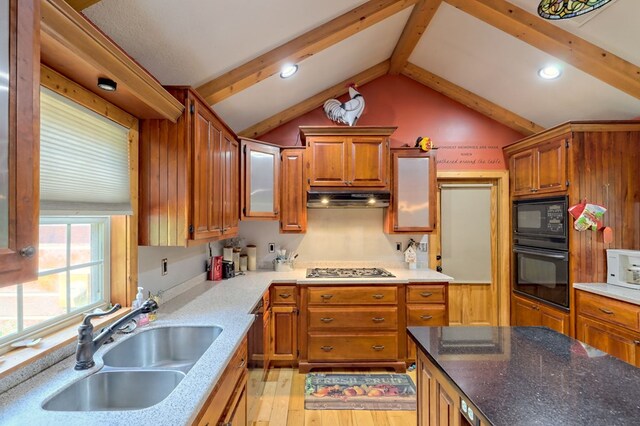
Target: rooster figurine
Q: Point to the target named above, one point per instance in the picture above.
(348, 112)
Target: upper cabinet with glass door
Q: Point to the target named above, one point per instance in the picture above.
(260, 180)
(19, 160)
(413, 199)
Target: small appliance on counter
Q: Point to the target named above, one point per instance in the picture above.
(228, 270)
(623, 268)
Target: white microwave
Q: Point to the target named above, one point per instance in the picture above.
(623, 268)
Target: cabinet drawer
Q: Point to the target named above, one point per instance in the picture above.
(609, 310)
(284, 295)
(349, 347)
(433, 293)
(383, 318)
(434, 315)
(353, 295)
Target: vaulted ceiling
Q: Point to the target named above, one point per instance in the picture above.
(484, 54)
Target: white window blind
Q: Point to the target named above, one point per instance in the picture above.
(84, 160)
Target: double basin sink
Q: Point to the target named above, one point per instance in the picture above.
(138, 372)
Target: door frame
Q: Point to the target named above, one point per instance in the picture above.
(502, 264)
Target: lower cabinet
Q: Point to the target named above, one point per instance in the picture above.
(528, 313)
(351, 326)
(438, 400)
(283, 324)
(227, 404)
(427, 306)
(609, 325)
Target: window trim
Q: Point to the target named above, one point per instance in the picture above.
(124, 229)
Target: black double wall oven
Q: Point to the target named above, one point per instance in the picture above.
(541, 250)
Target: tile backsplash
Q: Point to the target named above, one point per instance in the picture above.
(334, 236)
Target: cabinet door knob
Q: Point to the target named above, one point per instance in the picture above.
(326, 296)
(28, 251)
(426, 294)
(244, 361)
(377, 347)
(275, 212)
(326, 320)
(426, 317)
(607, 311)
(326, 348)
(378, 296)
(377, 319)
(637, 342)
(285, 295)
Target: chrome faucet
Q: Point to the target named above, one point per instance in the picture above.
(88, 345)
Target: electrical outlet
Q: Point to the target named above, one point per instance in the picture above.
(272, 247)
(164, 270)
(398, 246)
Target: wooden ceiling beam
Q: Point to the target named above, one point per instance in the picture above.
(299, 48)
(314, 101)
(80, 5)
(555, 41)
(417, 24)
(471, 100)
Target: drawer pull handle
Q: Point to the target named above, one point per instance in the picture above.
(326, 348)
(607, 311)
(426, 294)
(378, 296)
(426, 317)
(637, 342)
(377, 347)
(377, 319)
(285, 295)
(242, 363)
(326, 320)
(327, 296)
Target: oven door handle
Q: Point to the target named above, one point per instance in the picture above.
(542, 254)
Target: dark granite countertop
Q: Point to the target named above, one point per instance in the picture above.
(534, 375)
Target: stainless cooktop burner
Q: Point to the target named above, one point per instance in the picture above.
(348, 273)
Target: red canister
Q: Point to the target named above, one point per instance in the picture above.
(217, 268)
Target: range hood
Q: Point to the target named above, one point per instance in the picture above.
(347, 199)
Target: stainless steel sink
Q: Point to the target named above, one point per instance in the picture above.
(175, 348)
(138, 372)
(116, 390)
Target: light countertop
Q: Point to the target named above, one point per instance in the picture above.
(226, 304)
(624, 294)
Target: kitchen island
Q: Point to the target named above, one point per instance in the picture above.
(520, 376)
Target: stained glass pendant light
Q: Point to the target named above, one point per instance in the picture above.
(563, 9)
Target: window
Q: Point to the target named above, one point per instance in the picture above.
(73, 269)
(84, 179)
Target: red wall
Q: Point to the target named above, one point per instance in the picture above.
(465, 139)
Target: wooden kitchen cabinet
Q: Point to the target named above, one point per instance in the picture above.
(351, 326)
(227, 403)
(427, 305)
(293, 193)
(188, 182)
(354, 157)
(529, 313)
(610, 325)
(438, 400)
(283, 333)
(541, 169)
(20, 168)
(260, 199)
(412, 208)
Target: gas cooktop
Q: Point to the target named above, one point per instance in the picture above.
(348, 273)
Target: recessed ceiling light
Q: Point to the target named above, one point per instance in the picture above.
(550, 72)
(107, 84)
(288, 71)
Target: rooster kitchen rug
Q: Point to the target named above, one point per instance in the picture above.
(388, 392)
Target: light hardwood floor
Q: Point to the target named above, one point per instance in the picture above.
(282, 404)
